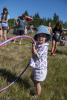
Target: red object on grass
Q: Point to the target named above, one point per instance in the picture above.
(54, 53)
(28, 18)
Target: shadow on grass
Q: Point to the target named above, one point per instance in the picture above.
(61, 52)
(10, 77)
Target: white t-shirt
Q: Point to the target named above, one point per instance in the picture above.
(40, 62)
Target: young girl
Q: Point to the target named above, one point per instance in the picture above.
(56, 37)
(4, 19)
(39, 57)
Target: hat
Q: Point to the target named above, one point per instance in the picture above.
(42, 30)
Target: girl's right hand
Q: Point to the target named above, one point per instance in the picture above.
(33, 45)
(34, 51)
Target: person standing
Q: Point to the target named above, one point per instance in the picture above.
(39, 57)
(21, 25)
(4, 22)
(50, 28)
(56, 37)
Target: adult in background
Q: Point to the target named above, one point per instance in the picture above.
(21, 25)
(49, 28)
(4, 22)
(56, 37)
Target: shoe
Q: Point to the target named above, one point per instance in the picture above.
(54, 53)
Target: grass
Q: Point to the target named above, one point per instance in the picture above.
(14, 58)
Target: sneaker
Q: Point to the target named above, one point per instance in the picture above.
(54, 53)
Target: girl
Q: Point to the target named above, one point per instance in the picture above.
(4, 19)
(39, 57)
(56, 37)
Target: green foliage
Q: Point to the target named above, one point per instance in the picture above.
(11, 23)
(65, 25)
(26, 13)
(40, 21)
(55, 18)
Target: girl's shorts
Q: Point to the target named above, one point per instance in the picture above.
(5, 28)
(39, 75)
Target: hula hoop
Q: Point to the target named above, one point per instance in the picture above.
(21, 36)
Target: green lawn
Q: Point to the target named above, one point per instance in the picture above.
(14, 58)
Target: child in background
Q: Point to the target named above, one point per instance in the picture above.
(56, 37)
(39, 57)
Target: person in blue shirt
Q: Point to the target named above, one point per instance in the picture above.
(4, 22)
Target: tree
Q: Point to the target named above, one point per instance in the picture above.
(11, 23)
(36, 20)
(55, 18)
(26, 13)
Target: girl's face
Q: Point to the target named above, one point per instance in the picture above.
(5, 11)
(41, 38)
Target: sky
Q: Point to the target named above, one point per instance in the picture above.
(45, 8)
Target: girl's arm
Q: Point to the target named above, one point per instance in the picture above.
(17, 21)
(5, 21)
(34, 51)
(8, 17)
